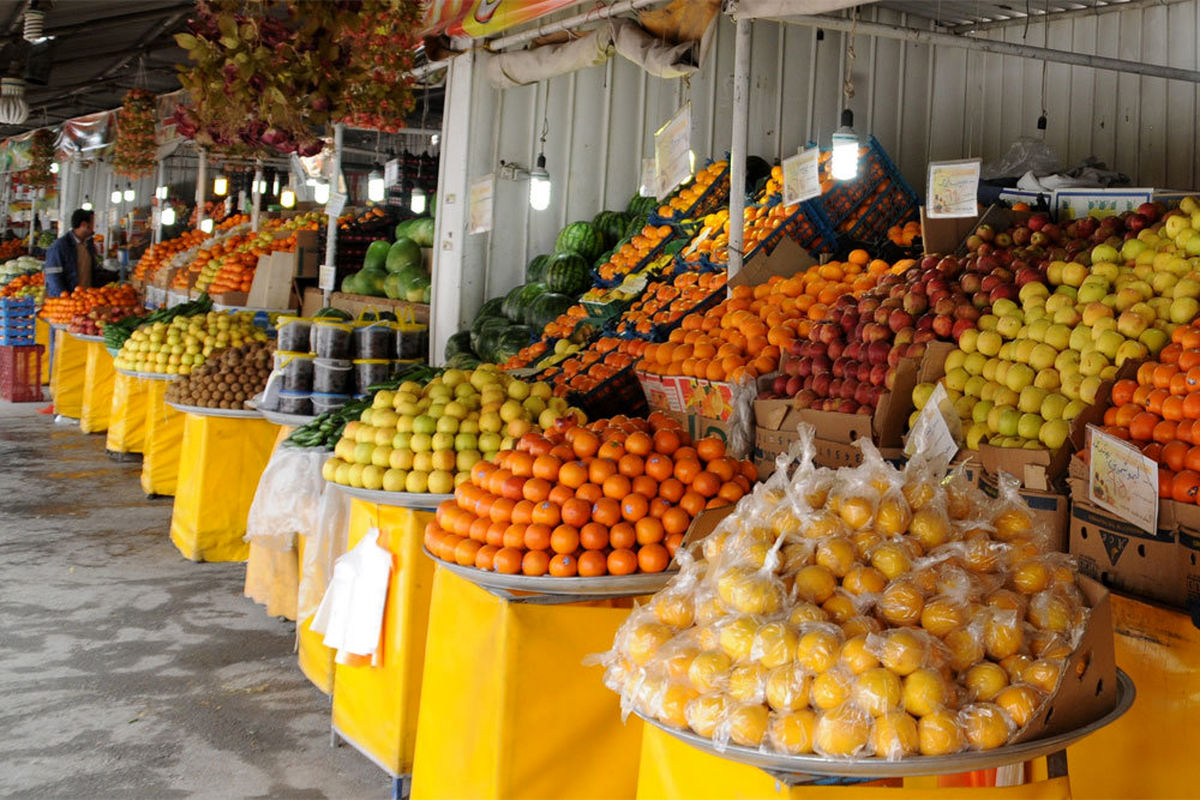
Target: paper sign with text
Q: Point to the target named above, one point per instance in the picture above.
(649, 184)
(337, 201)
(327, 278)
(953, 189)
(479, 209)
(801, 179)
(938, 430)
(1122, 480)
(673, 151)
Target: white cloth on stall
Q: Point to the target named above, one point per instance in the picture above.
(351, 614)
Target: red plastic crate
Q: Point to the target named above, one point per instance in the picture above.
(21, 373)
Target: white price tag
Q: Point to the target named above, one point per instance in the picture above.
(937, 431)
(327, 277)
(337, 201)
(649, 184)
(673, 151)
(953, 188)
(1122, 480)
(801, 179)
(391, 172)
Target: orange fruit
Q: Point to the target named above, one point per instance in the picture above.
(584, 443)
(593, 536)
(634, 506)
(616, 486)
(706, 484)
(564, 539)
(607, 511)
(507, 560)
(600, 469)
(649, 530)
(622, 561)
(589, 492)
(710, 448)
(573, 474)
(653, 558)
(535, 562)
(622, 535)
(563, 565)
(639, 444)
(592, 563)
(576, 512)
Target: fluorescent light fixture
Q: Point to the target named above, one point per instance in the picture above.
(539, 185)
(87, 203)
(287, 198)
(417, 201)
(53, 167)
(116, 196)
(434, 139)
(845, 149)
(130, 194)
(161, 192)
(206, 224)
(376, 190)
(321, 193)
(220, 186)
(168, 216)
(275, 191)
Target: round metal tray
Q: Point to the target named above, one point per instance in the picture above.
(147, 376)
(872, 768)
(420, 502)
(287, 420)
(602, 586)
(85, 337)
(228, 413)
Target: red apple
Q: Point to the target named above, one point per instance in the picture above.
(943, 325)
(805, 398)
(960, 326)
(877, 352)
(877, 377)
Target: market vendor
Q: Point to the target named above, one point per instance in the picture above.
(72, 257)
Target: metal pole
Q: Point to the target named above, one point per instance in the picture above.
(604, 12)
(991, 46)
(331, 224)
(201, 185)
(33, 198)
(255, 196)
(737, 147)
(161, 181)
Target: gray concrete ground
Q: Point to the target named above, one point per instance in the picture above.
(126, 671)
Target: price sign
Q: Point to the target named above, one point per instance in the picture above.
(673, 151)
(391, 172)
(953, 189)
(480, 204)
(649, 184)
(337, 201)
(327, 277)
(1122, 480)
(800, 176)
(937, 431)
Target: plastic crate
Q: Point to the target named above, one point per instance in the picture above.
(21, 373)
(620, 394)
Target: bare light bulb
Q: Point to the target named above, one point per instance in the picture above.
(130, 194)
(116, 196)
(845, 149)
(417, 201)
(321, 192)
(539, 185)
(376, 190)
(287, 198)
(168, 216)
(206, 224)
(220, 185)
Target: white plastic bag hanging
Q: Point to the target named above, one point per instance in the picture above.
(324, 545)
(351, 614)
(287, 497)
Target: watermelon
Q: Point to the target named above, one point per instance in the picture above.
(548, 307)
(511, 342)
(465, 360)
(603, 258)
(414, 283)
(370, 281)
(569, 273)
(488, 334)
(536, 271)
(332, 313)
(458, 343)
(420, 230)
(377, 253)
(582, 238)
(490, 309)
(642, 206)
(611, 225)
(403, 253)
(635, 225)
(516, 301)
(350, 284)
(391, 287)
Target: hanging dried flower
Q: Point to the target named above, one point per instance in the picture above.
(41, 155)
(136, 148)
(267, 75)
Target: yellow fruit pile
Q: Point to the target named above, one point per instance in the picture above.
(855, 613)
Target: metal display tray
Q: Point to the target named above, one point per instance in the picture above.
(633, 585)
(420, 502)
(227, 413)
(147, 376)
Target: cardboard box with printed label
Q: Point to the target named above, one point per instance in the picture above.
(1050, 511)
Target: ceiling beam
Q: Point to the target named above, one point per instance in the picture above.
(1019, 17)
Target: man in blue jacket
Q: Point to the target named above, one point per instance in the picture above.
(72, 259)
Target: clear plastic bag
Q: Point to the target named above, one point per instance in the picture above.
(286, 500)
(326, 542)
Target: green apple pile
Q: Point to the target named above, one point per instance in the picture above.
(182, 344)
(1029, 369)
(425, 439)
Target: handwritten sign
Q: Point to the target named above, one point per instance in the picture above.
(953, 188)
(327, 278)
(649, 183)
(480, 204)
(337, 201)
(1099, 203)
(673, 151)
(1122, 480)
(800, 176)
(937, 432)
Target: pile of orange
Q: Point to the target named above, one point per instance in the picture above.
(1160, 413)
(159, 255)
(665, 303)
(683, 201)
(611, 498)
(867, 203)
(20, 282)
(12, 248)
(904, 235)
(61, 310)
(564, 325)
(625, 261)
(587, 369)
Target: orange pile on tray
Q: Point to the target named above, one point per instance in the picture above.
(611, 498)
(625, 260)
(20, 282)
(589, 368)
(159, 255)
(744, 336)
(61, 310)
(1160, 413)
(687, 196)
(666, 303)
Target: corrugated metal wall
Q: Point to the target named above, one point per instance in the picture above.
(921, 103)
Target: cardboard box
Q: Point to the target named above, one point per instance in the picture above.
(355, 304)
(272, 286)
(239, 299)
(1124, 557)
(1050, 510)
(775, 430)
(1189, 551)
(663, 392)
(308, 255)
(945, 235)
(1069, 204)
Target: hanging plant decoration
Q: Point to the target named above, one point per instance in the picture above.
(136, 148)
(270, 75)
(41, 155)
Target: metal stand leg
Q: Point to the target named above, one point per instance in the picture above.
(401, 787)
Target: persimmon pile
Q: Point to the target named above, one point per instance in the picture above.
(611, 498)
(854, 613)
(589, 368)
(1159, 411)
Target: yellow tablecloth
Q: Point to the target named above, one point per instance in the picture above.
(67, 374)
(164, 437)
(375, 708)
(509, 710)
(41, 335)
(220, 461)
(95, 404)
(316, 660)
(127, 415)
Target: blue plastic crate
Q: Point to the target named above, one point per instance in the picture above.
(16, 334)
(847, 196)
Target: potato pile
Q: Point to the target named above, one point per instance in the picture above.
(855, 613)
(227, 379)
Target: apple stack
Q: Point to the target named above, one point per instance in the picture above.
(1030, 369)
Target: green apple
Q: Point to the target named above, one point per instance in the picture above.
(1009, 325)
(1131, 248)
(1089, 388)
(466, 459)
(1007, 352)
(1129, 350)
(1048, 379)
(1163, 282)
(423, 462)
(1056, 302)
(979, 413)
(518, 390)
(988, 321)
(989, 370)
(465, 441)
(1042, 357)
(921, 393)
(989, 390)
(1006, 396)
(1054, 433)
(1019, 376)
(963, 406)
(955, 358)
(1037, 330)
(1029, 425)
(1106, 271)
(1032, 292)
(1094, 312)
(1183, 310)
(1107, 343)
(1030, 400)
(989, 342)
(489, 442)
(1067, 317)
(416, 482)
(1071, 381)
(1010, 420)
(1102, 326)
(1093, 361)
(1074, 273)
(424, 424)
(966, 342)
(447, 424)
(1054, 272)
(1176, 224)
(956, 379)
(1092, 293)
(1058, 336)
(1004, 307)
(401, 459)
(1187, 287)
(442, 441)
(393, 480)
(977, 434)
(974, 363)
(420, 442)
(1021, 350)
(974, 386)
(1080, 338)
(1053, 406)
(1154, 339)
(1104, 252)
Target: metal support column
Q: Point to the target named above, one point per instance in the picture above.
(331, 223)
(201, 186)
(737, 148)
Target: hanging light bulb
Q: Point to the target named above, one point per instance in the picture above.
(161, 192)
(35, 26)
(14, 110)
(376, 189)
(87, 203)
(53, 167)
(417, 201)
(130, 194)
(845, 149)
(168, 216)
(539, 185)
(321, 192)
(220, 186)
(287, 198)
(206, 224)
(116, 196)
(275, 188)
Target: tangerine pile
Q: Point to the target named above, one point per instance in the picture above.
(665, 303)
(61, 310)
(611, 498)
(683, 201)
(589, 368)
(1160, 413)
(159, 255)
(904, 235)
(625, 261)
(857, 612)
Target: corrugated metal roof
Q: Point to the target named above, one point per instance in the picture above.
(973, 13)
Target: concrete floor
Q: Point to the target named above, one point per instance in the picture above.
(126, 671)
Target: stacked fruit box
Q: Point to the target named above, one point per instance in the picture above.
(16, 322)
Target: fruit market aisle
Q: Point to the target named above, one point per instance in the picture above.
(127, 671)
